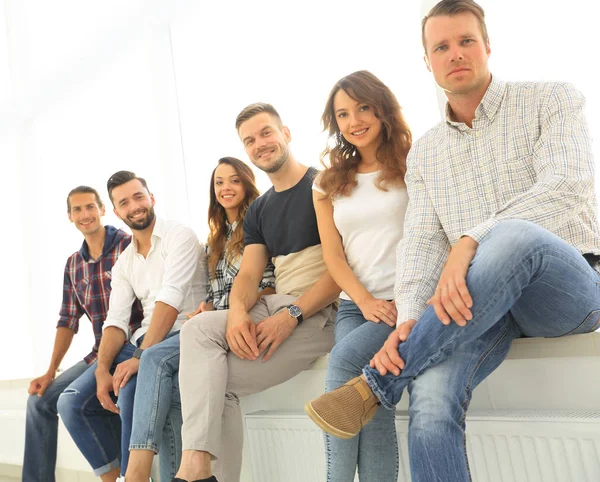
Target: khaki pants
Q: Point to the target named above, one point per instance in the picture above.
(212, 379)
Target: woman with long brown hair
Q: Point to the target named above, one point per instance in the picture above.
(233, 188)
(360, 200)
(157, 407)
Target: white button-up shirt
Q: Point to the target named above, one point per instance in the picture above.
(173, 272)
(527, 156)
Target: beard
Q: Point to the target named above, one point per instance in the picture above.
(143, 223)
(278, 163)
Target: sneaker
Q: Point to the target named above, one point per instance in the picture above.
(344, 411)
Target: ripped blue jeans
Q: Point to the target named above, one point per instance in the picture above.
(97, 432)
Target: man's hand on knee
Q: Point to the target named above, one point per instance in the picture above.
(388, 359)
(273, 331)
(452, 300)
(241, 336)
(104, 385)
(39, 385)
(124, 372)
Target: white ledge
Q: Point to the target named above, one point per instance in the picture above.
(585, 345)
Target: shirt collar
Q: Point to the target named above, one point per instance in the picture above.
(157, 232)
(109, 235)
(488, 106)
(231, 227)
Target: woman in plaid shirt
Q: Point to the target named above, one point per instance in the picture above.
(232, 190)
(157, 405)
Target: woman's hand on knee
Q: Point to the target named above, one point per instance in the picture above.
(377, 311)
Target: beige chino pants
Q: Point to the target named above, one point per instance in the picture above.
(212, 379)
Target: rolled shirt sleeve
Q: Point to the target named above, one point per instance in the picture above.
(184, 252)
(70, 310)
(422, 251)
(122, 297)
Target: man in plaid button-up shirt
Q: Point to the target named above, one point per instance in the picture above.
(86, 290)
(501, 240)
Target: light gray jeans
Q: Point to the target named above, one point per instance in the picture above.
(212, 379)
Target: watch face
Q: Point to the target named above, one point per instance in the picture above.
(295, 311)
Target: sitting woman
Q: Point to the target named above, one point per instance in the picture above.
(360, 200)
(157, 408)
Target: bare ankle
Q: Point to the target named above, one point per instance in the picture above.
(195, 464)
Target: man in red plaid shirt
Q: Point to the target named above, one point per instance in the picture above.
(86, 290)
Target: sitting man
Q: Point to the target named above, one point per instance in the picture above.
(289, 329)
(501, 241)
(164, 268)
(86, 288)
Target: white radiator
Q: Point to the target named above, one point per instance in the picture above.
(503, 446)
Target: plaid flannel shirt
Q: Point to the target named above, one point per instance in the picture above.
(221, 283)
(528, 156)
(86, 287)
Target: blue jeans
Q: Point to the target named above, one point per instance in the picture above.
(157, 418)
(98, 433)
(524, 281)
(375, 449)
(41, 427)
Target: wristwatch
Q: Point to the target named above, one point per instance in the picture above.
(296, 312)
(138, 353)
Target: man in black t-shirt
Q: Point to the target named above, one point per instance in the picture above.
(257, 343)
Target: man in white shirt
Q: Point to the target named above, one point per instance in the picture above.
(501, 240)
(164, 268)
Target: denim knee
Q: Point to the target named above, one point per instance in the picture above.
(513, 235)
(36, 405)
(157, 358)
(126, 397)
(344, 357)
(68, 404)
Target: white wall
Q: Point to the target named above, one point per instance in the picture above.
(90, 88)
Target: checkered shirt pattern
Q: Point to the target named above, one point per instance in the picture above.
(221, 283)
(86, 290)
(528, 156)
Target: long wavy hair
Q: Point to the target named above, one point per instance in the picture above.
(217, 217)
(341, 159)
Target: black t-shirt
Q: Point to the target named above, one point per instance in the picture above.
(285, 222)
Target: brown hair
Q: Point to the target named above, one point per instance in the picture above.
(217, 217)
(454, 7)
(254, 109)
(84, 190)
(339, 177)
(122, 177)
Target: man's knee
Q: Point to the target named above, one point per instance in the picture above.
(514, 233)
(204, 326)
(68, 403)
(513, 239)
(36, 405)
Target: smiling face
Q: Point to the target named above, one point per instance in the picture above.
(457, 54)
(134, 205)
(85, 213)
(228, 186)
(357, 121)
(265, 142)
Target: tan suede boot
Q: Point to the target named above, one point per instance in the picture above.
(344, 411)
